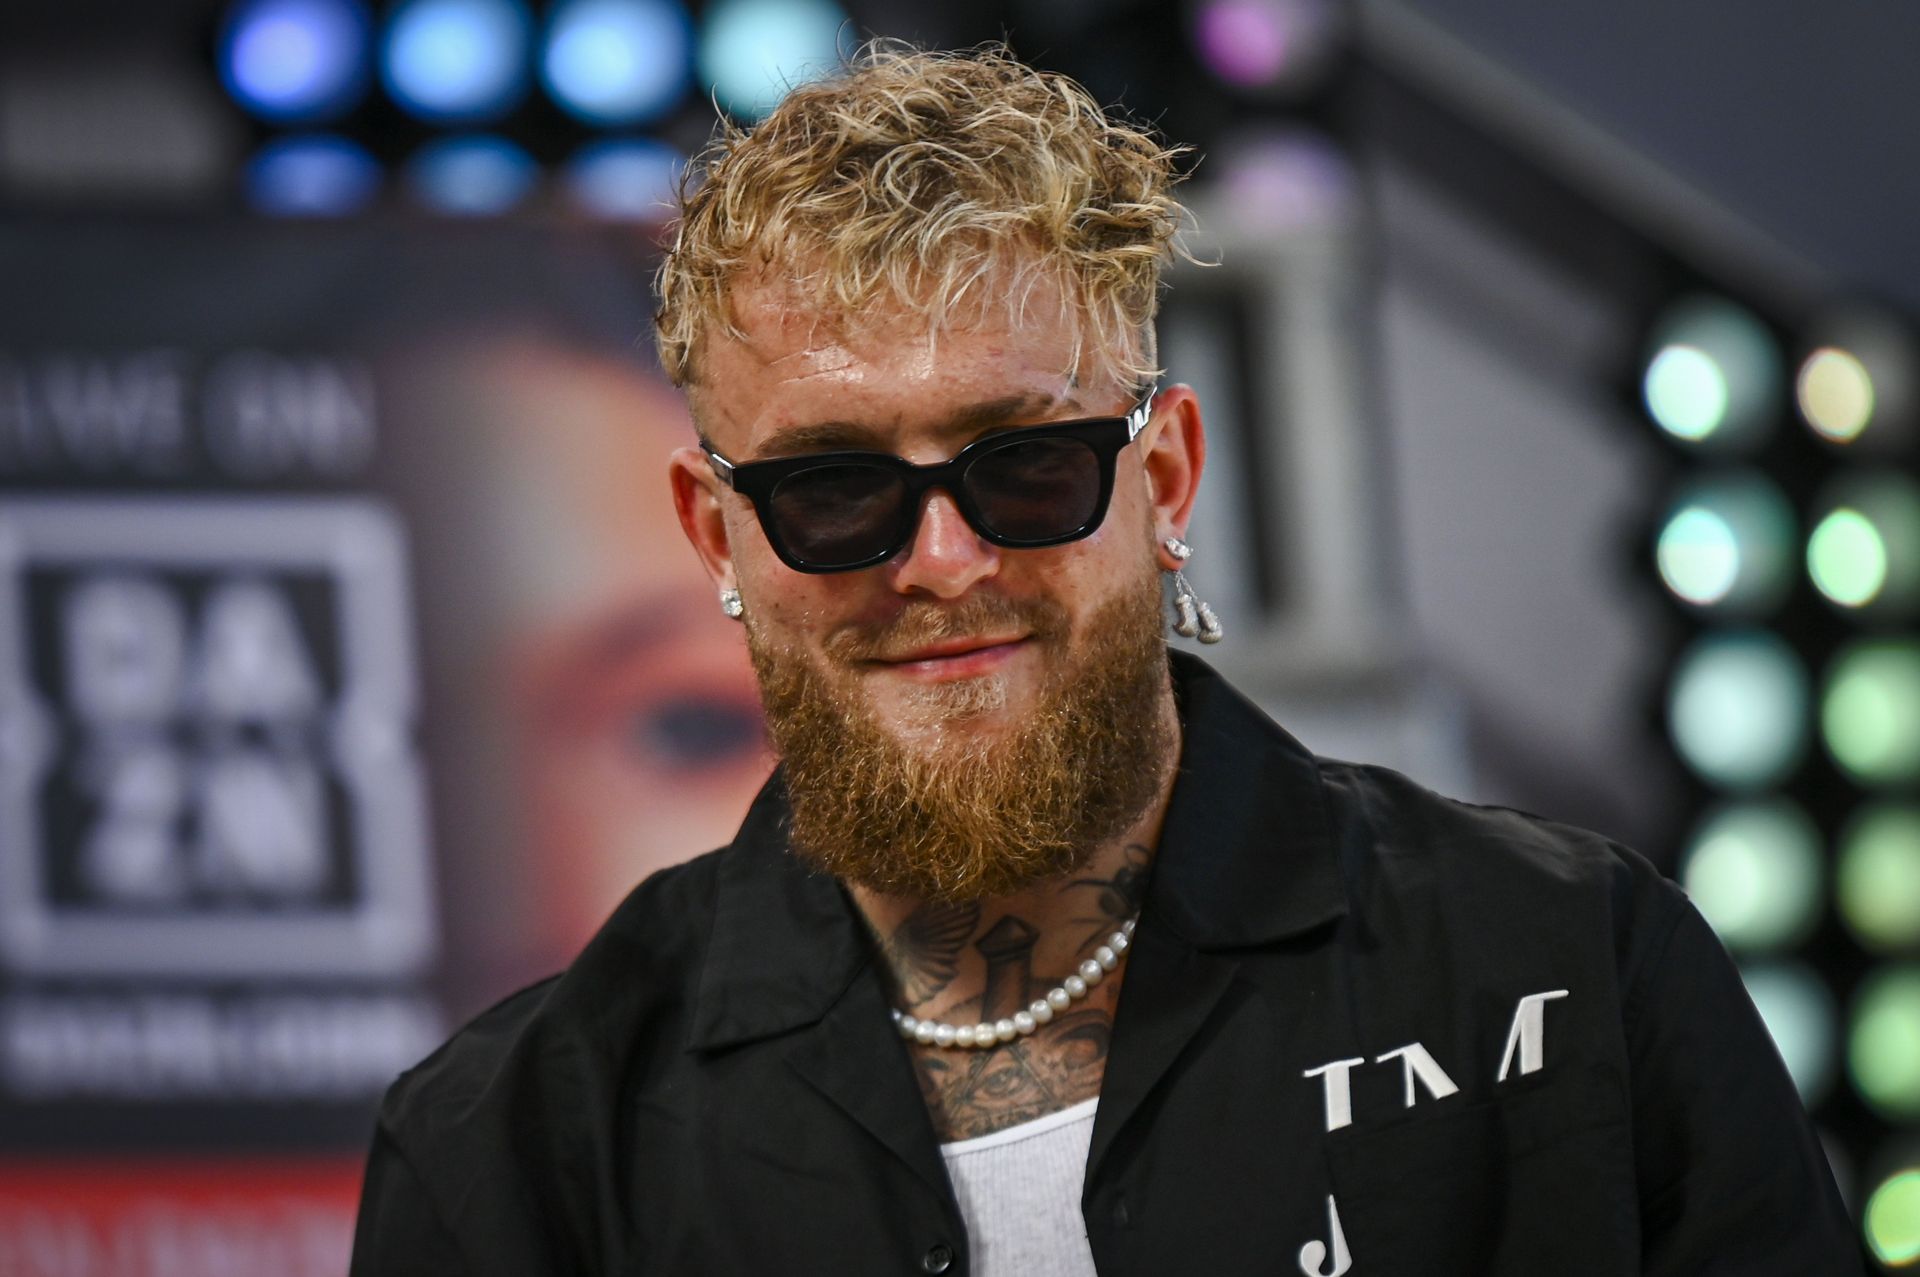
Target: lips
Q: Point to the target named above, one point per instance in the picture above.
(950, 649)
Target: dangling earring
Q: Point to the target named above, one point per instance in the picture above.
(730, 603)
(1192, 618)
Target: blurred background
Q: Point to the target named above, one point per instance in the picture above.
(1561, 378)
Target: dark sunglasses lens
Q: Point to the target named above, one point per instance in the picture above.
(835, 515)
(1037, 489)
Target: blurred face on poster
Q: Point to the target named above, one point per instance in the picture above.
(633, 728)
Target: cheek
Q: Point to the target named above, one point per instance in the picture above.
(1118, 551)
(761, 575)
(781, 604)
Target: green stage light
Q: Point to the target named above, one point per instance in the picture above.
(1892, 1219)
(1878, 881)
(1755, 872)
(1800, 1016)
(1883, 1046)
(1727, 543)
(1737, 708)
(1870, 711)
(1712, 374)
(1847, 557)
(1865, 550)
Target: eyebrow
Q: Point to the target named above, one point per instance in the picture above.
(820, 436)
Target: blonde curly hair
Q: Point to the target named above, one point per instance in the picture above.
(914, 183)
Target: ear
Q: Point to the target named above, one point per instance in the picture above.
(1173, 448)
(696, 499)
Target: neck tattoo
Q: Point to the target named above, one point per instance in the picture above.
(1023, 1023)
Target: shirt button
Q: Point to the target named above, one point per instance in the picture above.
(938, 1259)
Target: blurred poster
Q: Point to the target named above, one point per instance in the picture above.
(352, 667)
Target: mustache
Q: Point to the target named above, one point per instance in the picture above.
(924, 621)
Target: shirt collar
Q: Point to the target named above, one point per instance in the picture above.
(1246, 856)
(786, 939)
(1247, 853)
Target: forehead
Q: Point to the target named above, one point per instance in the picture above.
(890, 371)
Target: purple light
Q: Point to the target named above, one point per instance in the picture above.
(1247, 42)
(1268, 47)
(1288, 178)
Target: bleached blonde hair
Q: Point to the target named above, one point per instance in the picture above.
(913, 183)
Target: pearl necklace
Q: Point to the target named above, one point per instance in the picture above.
(1022, 1023)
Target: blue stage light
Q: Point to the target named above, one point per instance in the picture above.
(457, 61)
(311, 175)
(753, 51)
(473, 175)
(295, 61)
(618, 61)
(625, 179)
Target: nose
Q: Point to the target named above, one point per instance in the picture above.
(946, 557)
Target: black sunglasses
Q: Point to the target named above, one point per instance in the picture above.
(1024, 488)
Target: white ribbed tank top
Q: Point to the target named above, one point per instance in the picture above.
(1019, 1192)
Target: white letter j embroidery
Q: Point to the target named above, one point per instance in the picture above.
(1314, 1253)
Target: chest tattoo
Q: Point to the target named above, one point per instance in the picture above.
(971, 1093)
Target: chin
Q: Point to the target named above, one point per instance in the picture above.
(928, 711)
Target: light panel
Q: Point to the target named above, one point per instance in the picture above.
(625, 179)
(1728, 543)
(1864, 552)
(1284, 178)
(611, 62)
(1737, 708)
(1870, 711)
(1712, 375)
(1273, 46)
(1883, 1044)
(312, 175)
(295, 61)
(1892, 1219)
(1877, 883)
(752, 51)
(1755, 872)
(1858, 385)
(1847, 558)
(1835, 394)
(456, 61)
(471, 175)
(1686, 391)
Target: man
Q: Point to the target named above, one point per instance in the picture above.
(1042, 954)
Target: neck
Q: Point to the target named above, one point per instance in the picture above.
(986, 959)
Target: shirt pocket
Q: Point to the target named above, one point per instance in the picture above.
(1535, 1180)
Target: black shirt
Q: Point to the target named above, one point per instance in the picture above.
(1479, 1042)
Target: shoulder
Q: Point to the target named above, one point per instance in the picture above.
(556, 1047)
(1403, 846)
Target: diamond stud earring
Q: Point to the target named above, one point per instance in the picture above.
(730, 603)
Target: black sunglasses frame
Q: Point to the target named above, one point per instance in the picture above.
(1104, 437)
